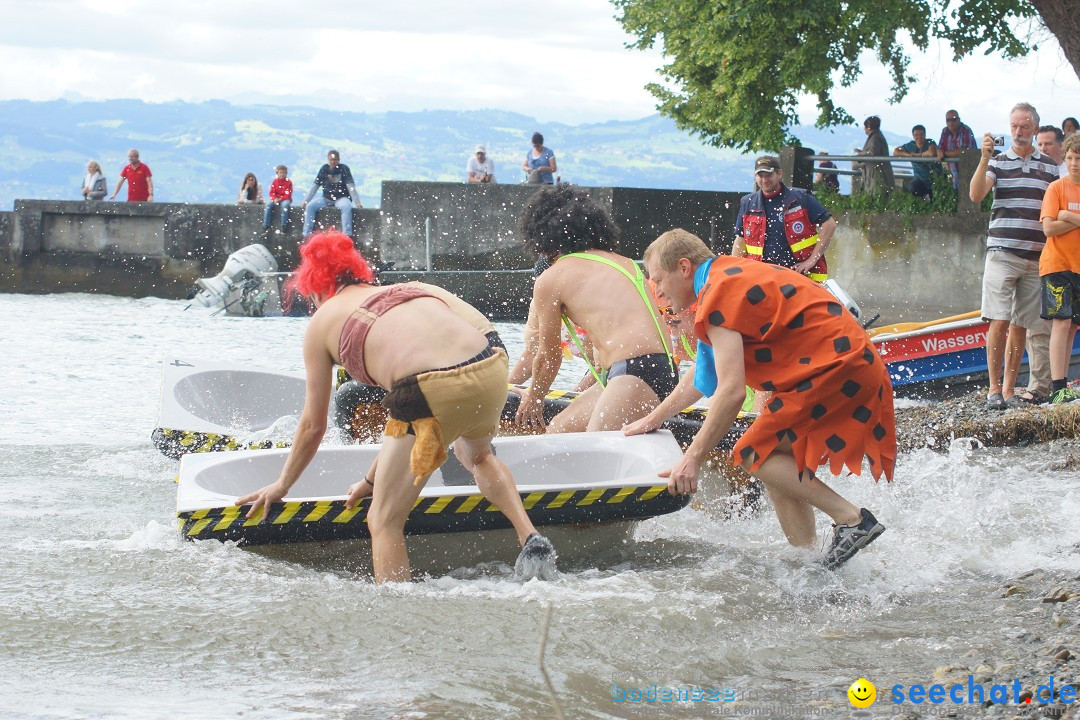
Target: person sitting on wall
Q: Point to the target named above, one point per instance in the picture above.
(446, 384)
(606, 294)
(778, 331)
(94, 185)
(480, 168)
(250, 191)
(338, 189)
(280, 196)
(920, 184)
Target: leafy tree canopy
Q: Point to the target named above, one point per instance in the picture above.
(738, 67)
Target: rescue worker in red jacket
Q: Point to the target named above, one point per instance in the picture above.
(783, 225)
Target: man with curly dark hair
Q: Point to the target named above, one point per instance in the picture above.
(606, 295)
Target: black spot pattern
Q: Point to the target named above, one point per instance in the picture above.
(804, 361)
(841, 345)
(755, 295)
(879, 432)
(775, 404)
(796, 322)
(768, 386)
(765, 328)
(862, 413)
(788, 290)
(804, 385)
(733, 271)
(716, 318)
(818, 411)
(835, 443)
(763, 355)
(850, 388)
(746, 452)
(787, 433)
(868, 355)
(834, 308)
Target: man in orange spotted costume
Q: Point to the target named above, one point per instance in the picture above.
(776, 330)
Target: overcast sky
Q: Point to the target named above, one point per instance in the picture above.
(558, 60)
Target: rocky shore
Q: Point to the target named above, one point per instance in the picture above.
(937, 424)
(1048, 605)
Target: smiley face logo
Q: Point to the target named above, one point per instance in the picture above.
(862, 693)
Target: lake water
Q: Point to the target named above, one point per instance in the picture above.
(106, 613)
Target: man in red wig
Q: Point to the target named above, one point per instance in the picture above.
(446, 383)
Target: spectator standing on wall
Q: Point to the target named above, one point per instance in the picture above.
(338, 189)
(827, 180)
(280, 195)
(1070, 125)
(250, 191)
(540, 162)
(139, 179)
(480, 168)
(919, 146)
(876, 176)
(955, 138)
(94, 185)
(1011, 286)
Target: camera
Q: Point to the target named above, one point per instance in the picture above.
(999, 141)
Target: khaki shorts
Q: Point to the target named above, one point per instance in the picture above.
(1012, 289)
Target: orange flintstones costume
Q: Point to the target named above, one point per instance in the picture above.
(832, 397)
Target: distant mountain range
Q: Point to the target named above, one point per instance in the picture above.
(200, 152)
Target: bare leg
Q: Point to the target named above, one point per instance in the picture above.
(1014, 353)
(391, 501)
(575, 418)
(995, 352)
(799, 495)
(495, 482)
(624, 400)
(1061, 335)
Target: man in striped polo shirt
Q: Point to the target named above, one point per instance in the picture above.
(1011, 286)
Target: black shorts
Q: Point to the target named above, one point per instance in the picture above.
(1061, 296)
(657, 370)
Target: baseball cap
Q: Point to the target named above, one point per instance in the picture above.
(768, 163)
(480, 149)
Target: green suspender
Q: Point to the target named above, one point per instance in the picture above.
(600, 377)
(638, 279)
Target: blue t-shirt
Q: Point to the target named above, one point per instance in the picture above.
(777, 251)
(919, 170)
(546, 156)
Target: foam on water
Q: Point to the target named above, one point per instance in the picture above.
(100, 597)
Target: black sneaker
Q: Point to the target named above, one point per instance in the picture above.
(536, 560)
(850, 539)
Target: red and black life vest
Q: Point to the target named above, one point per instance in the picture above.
(800, 232)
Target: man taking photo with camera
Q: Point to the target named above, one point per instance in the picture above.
(1011, 288)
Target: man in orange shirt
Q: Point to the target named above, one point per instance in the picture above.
(774, 329)
(1059, 268)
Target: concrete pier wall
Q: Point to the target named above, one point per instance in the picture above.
(909, 268)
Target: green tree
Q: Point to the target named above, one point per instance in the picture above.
(738, 67)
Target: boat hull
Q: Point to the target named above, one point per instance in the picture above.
(568, 479)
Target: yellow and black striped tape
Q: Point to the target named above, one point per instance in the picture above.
(330, 520)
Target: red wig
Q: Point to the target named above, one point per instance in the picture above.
(329, 259)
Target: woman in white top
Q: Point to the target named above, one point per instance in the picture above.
(94, 185)
(250, 191)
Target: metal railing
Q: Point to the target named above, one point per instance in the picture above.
(870, 159)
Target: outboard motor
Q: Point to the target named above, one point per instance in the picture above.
(242, 264)
(853, 307)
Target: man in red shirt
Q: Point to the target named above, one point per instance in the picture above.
(139, 180)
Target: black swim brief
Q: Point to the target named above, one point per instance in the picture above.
(657, 370)
(494, 341)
